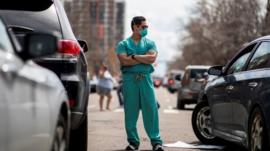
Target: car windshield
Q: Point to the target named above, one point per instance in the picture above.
(195, 72)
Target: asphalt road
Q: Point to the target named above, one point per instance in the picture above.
(106, 130)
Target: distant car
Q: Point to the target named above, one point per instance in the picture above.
(235, 105)
(69, 63)
(34, 109)
(165, 81)
(93, 84)
(174, 80)
(192, 83)
(157, 81)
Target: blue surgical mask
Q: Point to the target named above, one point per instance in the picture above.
(143, 32)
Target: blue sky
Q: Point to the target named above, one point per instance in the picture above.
(166, 20)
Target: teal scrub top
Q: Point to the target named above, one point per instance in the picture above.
(129, 47)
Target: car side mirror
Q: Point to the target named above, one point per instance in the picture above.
(39, 45)
(83, 44)
(215, 70)
(178, 77)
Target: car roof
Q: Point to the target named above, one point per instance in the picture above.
(261, 38)
(176, 71)
(197, 67)
(49, 18)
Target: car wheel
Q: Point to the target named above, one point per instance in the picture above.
(171, 90)
(202, 124)
(180, 104)
(257, 132)
(78, 137)
(60, 141)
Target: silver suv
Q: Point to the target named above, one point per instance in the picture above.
(191, 84)
(34, 111)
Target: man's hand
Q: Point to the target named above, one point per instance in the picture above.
(148, 58)
(126, 60)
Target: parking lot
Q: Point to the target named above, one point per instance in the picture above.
(106, 130)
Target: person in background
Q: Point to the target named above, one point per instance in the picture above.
(104, 86)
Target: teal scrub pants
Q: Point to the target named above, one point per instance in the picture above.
(138, 92)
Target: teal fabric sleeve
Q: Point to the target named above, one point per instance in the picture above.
(120, 48)
(152, 46)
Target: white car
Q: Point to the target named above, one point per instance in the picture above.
(34, 112)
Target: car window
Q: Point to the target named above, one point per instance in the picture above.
(5, 44)
(197, 72)
(261, 57)
(28, 5)
(239, 63)
(23, 21)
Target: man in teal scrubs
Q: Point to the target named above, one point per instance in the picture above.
(136, 55)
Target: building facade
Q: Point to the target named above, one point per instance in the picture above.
(101, 24)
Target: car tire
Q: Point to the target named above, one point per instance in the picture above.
(60, 141)
(201, 124)
(258, 140)
(180, 104)
(79, 137)
(171, 90)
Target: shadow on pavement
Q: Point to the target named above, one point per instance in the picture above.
(234, 148)
(186, 109)
(124, 150)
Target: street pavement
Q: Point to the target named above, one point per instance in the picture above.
(106, 131)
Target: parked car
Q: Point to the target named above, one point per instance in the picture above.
(235, 106)
(93, 84)
(34, 109)
(165, 81)
(69, 63)
(157, 81)
(174, 80)
(192, 82)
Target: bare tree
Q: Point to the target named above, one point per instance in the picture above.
(219, 30)
(266, 26)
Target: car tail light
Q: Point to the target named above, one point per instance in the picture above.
(69, 47)
(72, 103)
(171, 82)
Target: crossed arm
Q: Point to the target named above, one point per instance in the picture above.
(148, 58)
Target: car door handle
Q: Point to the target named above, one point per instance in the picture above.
(230, 87)
(253, 84)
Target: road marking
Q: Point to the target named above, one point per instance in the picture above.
(180, 144)
(120, 110)
(170, 111)
(91, 107)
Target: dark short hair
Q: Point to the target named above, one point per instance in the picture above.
(137, 20)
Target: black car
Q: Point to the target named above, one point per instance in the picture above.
(69, 63)
(235, 106)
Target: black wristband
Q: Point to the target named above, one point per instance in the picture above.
(133, 57)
